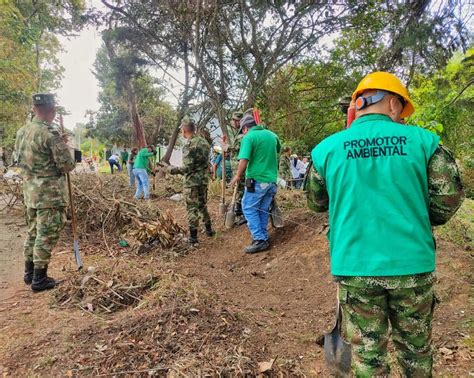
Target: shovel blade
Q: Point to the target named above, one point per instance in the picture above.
(77, 254)
(337, 352)
(229, 218)
(276, 216)
(222, 209)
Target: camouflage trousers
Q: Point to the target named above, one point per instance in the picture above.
(238, 198)
(196, 205)
(370, 304)
(44, 226)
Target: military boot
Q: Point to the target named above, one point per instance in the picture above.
(29, 268)
(193, 236)
(41, 281)
(209, 231)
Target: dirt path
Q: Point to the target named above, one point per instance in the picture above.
(285, 298)
(12, 232)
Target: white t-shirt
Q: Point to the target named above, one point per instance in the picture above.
(296, 170)
(114, 157)
(304, 166)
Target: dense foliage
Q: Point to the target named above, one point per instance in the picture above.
(28, 48)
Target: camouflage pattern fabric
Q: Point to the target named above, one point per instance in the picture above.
(314, 187)
(44, 226)
(445, 188)
(371, 305)
(196, 205)
(234, 151)
(195, 162)
(444, 183)
(44, 157)
(196, 178)
(284, 168)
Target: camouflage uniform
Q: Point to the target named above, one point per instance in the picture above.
(196, 177)
(45, 158)
(234, 150)
(284, 169)
(369, 304)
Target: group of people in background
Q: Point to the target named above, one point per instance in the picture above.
(138, 165)
(291, 169)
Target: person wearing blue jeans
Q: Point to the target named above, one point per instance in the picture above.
(256, 208)
(140, 171)
(141, 176)
(258, 158)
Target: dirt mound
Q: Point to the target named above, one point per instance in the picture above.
(183, 330)
(106, 289)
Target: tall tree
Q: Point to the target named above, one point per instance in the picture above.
(28, 48)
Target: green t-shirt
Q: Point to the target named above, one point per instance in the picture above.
(377, 182)
(141, 160)
(261, 148)
(124, 155)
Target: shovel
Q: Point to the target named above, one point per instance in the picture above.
(77, 253)
(230, 216)
(337, 351)
(276, 217)
(222, 205)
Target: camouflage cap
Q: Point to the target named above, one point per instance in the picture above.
(237, 116)
(187, 120)
(247, 121)
(44, 99)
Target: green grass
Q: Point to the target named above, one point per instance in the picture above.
(460, 229)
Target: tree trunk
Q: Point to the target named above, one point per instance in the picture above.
(138, 131)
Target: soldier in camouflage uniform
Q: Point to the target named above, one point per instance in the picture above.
(45, 158)
(284, 166)
(234, 151)
(385, 185)
(196, 177)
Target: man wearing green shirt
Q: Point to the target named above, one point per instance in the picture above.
(258, 158)
(385, 184)
(124, 156)
(140, 171)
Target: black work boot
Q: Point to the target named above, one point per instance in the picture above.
(257, 246)
(41, 281)
(29, 268)
(193, 236)
(209, 231)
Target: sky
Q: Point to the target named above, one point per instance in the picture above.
(79, 86)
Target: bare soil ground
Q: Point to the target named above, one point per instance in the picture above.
(213, 311)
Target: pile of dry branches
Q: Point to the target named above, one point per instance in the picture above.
(10, 191)
(104, 206)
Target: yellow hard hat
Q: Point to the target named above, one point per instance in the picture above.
(387, 82)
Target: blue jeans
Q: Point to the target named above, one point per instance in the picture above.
(142, 183)
(113, 163)
(256, 208)
(131, 176)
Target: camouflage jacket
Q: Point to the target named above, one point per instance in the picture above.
(195, 162)
(45, 158)
(284, 168)
(444, 185)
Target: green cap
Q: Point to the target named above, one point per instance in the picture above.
(44, 99)
(187, 120)
(237, 116)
